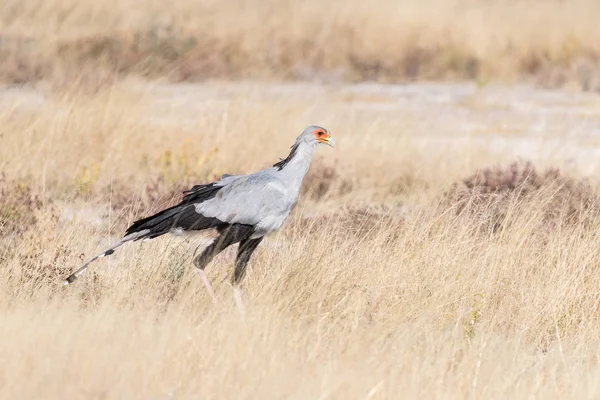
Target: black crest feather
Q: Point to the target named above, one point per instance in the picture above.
(283, 162)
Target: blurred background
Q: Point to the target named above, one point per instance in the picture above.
(552, 43)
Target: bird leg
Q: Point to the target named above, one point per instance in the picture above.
(245, 250)
(207, 284)
(229, 236)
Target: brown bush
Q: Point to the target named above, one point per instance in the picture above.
(100, 60)
(322, 180)
(356, 221)
(19, 61)
(491, 193)
(157, 195)
(19, 205)
(195, 41)
(39, 269)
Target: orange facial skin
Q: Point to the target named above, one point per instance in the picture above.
(321, 135)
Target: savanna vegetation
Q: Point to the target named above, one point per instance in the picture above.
(446, 248)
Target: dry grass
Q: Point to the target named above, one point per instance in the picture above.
(376, 286)
(419, 262)
(555, 42)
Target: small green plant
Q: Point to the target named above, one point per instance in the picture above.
(473, 317)
(181, 164)
(86, 178)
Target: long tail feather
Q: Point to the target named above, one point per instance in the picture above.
(111, 249)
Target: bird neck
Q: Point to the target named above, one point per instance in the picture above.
(295, 166)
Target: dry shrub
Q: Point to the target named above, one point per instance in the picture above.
(41, 260)
(462, 39)
(36, 268)
(19, 61)
(406, 182)
(32, 252)
(157, 195)
(98, 60)
(151, 51)
(494, 195)
(360, 222)
(584, 73)
(436, 61)
(322, 180)
(19, 205)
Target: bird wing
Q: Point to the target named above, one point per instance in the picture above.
(248, 199)
(205, 191)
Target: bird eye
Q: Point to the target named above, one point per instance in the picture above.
(321, 133)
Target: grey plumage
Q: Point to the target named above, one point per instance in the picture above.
(243, 208)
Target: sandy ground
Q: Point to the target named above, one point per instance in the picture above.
(521, 120)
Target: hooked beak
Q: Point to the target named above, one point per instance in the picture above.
(328, 141)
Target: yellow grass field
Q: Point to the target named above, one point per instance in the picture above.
(446, 248)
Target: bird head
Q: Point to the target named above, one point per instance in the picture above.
(315, 135)
(310, 138)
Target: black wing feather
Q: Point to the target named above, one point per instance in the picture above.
(182, 215)
(200, 193)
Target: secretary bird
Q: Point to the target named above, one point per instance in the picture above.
(243, 209)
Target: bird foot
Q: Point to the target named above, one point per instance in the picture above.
(237, 295)
(207, 284)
